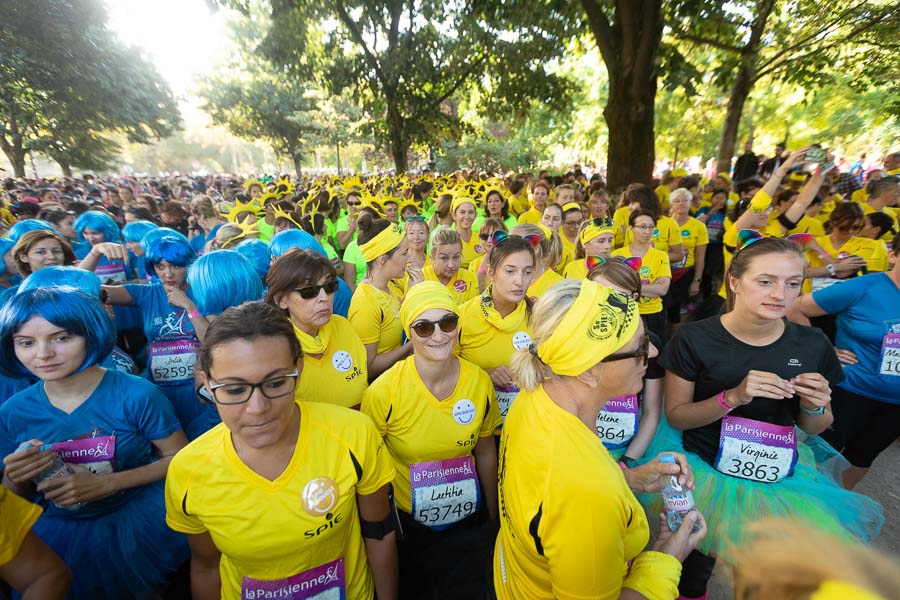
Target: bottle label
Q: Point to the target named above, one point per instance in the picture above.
(677, 499)
(617, 423)
(755, 450)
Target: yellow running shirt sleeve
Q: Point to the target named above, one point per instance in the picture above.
(374, 316)
(548, 279)
(17, 515)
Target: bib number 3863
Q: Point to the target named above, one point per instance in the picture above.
(755, 450)
(444, 492)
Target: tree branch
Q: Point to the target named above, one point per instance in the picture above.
(358, 38)
(603, 32)
(707, 41)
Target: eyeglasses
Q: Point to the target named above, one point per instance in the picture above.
(312, 291)
(425, 329)
(485, 236)
(644, 351)
(238, 393)
(643, 227)
(853, 227)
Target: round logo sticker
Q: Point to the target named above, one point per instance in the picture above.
(463, 412)
(479, 248)
(320, 495)
(521, 340)
(656, 232)
(342, 361)
(460, 286)
(685, 233)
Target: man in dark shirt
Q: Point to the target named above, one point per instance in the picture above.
(773, 163)
(747, 163)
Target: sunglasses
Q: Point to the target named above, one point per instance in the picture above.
(416, 218)
(354, 203)
(312, 291)
(644, 352)
(604, 222)
(485, 236)
(425, 329)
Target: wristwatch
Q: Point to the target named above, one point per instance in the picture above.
(830, 269)
(813, 413)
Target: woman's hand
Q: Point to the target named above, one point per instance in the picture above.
(501, 376)
(813, 389)
(847, 357)
(849, 266)
(645, 478)
(759, 384)
(415, 275)
(80, 487)
(23, 466)
(177, 297)
(111, 251)
(682, 542)
(693, 289)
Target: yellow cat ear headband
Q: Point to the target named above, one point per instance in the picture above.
(240, 207)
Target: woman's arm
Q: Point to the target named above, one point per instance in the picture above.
(486, 464)
(36, 572)
(379, 363)
(350, 275)
(657, 289)
(117, 295)
(699, 266)
(804, 309)
(110, 250)
(382, 554)
(206, 582)
(676, 253)
(651, 409)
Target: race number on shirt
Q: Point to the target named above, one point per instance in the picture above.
(325, 582)
(111, 273)
(505, 395)
(890, 355)
(444, 492)
(755, 450)
(97, 454)
(172, 361)
(617, 423)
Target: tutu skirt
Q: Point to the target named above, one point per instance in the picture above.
(126, 553)
(810, 495)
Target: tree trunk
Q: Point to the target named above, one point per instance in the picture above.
(65, 166)
(399, 147)
(15, 153)
(631, 150)
(298, 164)
(743, 84)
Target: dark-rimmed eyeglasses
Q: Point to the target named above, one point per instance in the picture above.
(239, 392)
(425, 329)
(643, 351)
(354, 203)
(311, 291)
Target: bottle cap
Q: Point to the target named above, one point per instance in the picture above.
(668, 459)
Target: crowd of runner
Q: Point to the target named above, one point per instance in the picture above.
(448, 386)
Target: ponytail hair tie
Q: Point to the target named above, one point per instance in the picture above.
(533, 349)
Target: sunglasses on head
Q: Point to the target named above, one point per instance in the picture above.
(425, 329)
(416, 218)
(643, 351)
(604, 222)
(312, 291)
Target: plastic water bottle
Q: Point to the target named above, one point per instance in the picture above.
(677, 501)
(56, 470)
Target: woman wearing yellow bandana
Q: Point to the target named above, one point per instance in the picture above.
(496, 324)
(595, 239)
(546, 254)
(437, 414)
(463, 210)
(570, 525)
(572, 218)
(446, 255)
(303, 284)
(375, 306)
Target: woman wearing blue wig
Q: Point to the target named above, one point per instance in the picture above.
(97, 229)
(116, 433)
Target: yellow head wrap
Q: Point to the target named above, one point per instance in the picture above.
(679, 172)
(423, 297)
(384, 242)
(592, 231)
(841, 590)
(724, 176)
(599, 323)
(459, 201)
(571, 206)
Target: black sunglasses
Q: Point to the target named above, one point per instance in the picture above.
(643, 351)
(605, 222)
(425, 329)
(311, 291)
(353, 203)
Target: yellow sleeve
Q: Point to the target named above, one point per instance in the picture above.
(702, 234)
(664, 269)
(674, 234)
(730, 237)
(377, 470)
(18, 515)
(654, 575)
(492, 419)
(376, 402)
(364, 316)
(878, 260)
(178, 479)
(760, 202)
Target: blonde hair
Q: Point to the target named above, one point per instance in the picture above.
(789, 561)
(528, 370)
(444, 237)
(227, 233)
(551, 247)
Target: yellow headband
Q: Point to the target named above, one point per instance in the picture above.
(592, 231)
(381, 244)
(678, 172)
(724, 176)
(600, 322)
(571, 206)
(459, 201)
(832, 589)
(423, 297)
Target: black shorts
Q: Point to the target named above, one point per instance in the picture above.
(862, 427)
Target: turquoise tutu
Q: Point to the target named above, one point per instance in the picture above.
(811, 495)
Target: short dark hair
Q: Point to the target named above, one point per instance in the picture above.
(248, 321)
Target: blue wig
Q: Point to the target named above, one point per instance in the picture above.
(81, 280)
(135, 232)
(67, 308)
(221, 279)
(294, 238)
(6, 245)
(97, 221)
(175, 251)
(257, 252)
(23, 227)
(160, 232)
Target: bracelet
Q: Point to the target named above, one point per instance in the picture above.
(818, 412)
(696, 280)
(824, 255)
(628, 461)
(723, 404)
(622, 466)
(193, 315)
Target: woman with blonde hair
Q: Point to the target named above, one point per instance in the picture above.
(446, 257)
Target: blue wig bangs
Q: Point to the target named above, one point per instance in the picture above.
(135, 232)
(257, 252)
(67, 308)
(287, 240)
(73, 277)
(6, 245)
(97, 221)
(173, 250)
(222, 279)
(23, 227)
(161, 232)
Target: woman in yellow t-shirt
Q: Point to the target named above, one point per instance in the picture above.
(665, 237)
(446, 255)
(486, 235)
(375, 305)
(463, 211)
(854, 254)
(594, 239)
(687, 272)
(568, 233)
(417, 234)
(655, 272)
(437, 415)
(496, 324)
(546, 254)
(589, 347)
(282, 496)
(540, 195)
(302, 283)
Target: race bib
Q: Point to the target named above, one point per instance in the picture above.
(890, 355)
(505, 395)
(111, 273)
(820, 283)
(325, 582)
(444, 492)
(172, 362)
(617, 423)
(755, 450)
(97, 454)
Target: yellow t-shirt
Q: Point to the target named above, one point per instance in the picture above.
(531, 216)
(518, 204)
(375, 315)
(340, 375)
(654, 264)
(543, 283)
(294, 530)
(806, 224)
(620, 225)
(693, 233)
(568, 254)
(17, 515)
(663, 192)
(872, 251)
(576, 270)
(860, 196)
(419, 428)
(464, 286)
(569, 524)
(471, 250)
(889, 211)
(665, 235)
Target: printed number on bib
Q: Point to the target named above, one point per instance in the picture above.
(617, 423)
(444, 492)
(325, 582)
(890, 355)
(755, 450)
(505, 395)
(172, 361)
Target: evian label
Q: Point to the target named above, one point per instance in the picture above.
(325, 582)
